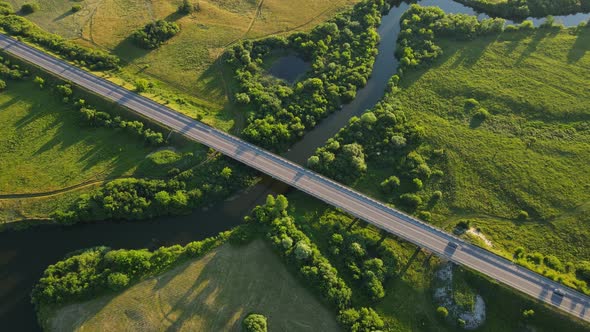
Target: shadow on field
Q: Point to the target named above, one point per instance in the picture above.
(127, 51)
(580, 47)
(532, 46)
(62, 16)
(468, 55)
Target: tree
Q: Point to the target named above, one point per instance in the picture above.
(39, 81)
(187, 7)
(155, 34)
(529, 313)
(254, 323)
(29, 8)
(442, 312)
(117, 280)
(302, 250)
(411, 200)
(2, 85)
(583, 271)
(390, 184)
(76, 8)
(226, 173)
(417, 183)
(361, 320)
(523, 215)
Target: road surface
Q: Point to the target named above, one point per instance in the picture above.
(359, 205)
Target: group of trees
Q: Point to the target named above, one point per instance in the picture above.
(365, 258)
(296, 247)
(342, 52)
(19, 26)
(383, 138)
(154, 34)
(420, 25)
(136, 199)
(88, 273)
(520, 9)
(11, 71)
(102, 119)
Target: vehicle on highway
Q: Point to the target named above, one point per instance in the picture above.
(559, 292)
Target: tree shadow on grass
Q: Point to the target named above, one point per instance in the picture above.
(469, 55)
(580, 47)
(64, 15)
(127, 51)
(532, 46)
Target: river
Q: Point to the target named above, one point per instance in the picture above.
(25, 254)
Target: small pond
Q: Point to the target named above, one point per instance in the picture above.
(289, 68)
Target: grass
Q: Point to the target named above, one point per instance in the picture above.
(212, 293)
(185, 70)
(532, 153)
(45, 147)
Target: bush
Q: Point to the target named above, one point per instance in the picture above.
(187, 7)
(523, 215)
(361, 320)
(528, 313)
(437, 195)
(141, 85)
(254, 323)
(390, 184)
(481, 114)
(583, 271)
(76, 8)
(117, 281)
(553, 263)
(2, 85)
(155, 34)
(6, 8)
(442, 312)
(411, 200)
(29, 8)
(39, 81)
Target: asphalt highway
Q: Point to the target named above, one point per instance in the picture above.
(357, 204)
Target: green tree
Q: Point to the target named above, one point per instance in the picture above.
(529, 313)
(390, 184)
(141, 85)
(442, 312)
(2, 85)
(226, 173)
(39, 81)
(29, 8)
(117, 280)
(254, 323)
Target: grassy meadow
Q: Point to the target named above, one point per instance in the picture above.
(212, 293)
(532, 153)
(45, 148)
(184, 70)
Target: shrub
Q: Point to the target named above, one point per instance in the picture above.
(523, 215)
(437, 195)
(187, 7)
(583, 271)
(442, 312)
(6, 8)
(254, 323)
(155, 34)
(29, 8)
(141, 85)
(117, 280)
(417, 184)
(481, 114)
(519, 252)
(2, 85)
(425, 215)
(553, 263)
(76, 8)
(390, 184)
(39, 81)
(361, 320)
(529, 313)
(411, 200)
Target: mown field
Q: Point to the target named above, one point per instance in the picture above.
(46, 148)
(212, 293)
(184, 69)
(532, 153)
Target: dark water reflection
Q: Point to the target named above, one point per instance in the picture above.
(25, 254)
(289, 68)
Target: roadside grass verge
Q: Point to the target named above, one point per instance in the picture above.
(212, 293)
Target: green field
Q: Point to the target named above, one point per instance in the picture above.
(212, 293)
(185, 70)
(531, 154)
(46, 149)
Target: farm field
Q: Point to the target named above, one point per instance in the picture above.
(230, 282)
(185, 70)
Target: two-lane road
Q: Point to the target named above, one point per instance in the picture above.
(361, 206)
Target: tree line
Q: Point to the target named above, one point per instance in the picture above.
(137, 199)
(85, 274)
(15, 25)
(304, 256)
(519, 9)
